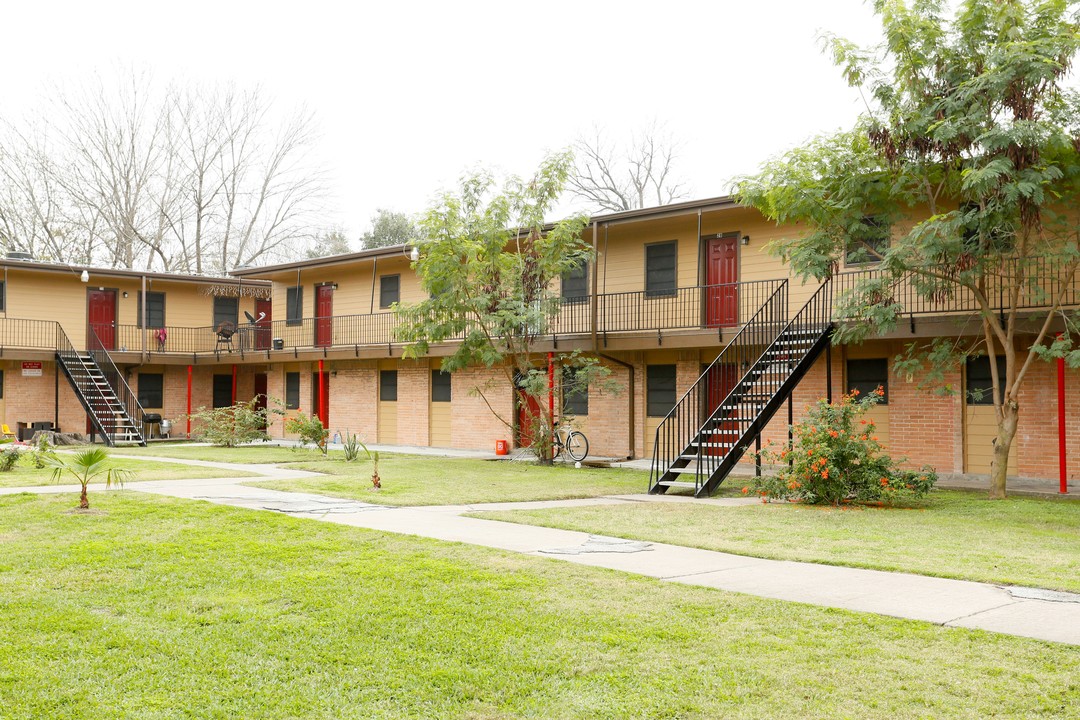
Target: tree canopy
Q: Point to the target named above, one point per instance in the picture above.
(960, 180)
(389, 228)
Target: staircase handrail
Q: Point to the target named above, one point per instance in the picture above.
(765, 316)
(67, 353)
(112, 374)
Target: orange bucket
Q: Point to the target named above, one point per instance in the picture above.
(502, 447)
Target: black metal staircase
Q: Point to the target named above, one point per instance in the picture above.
(111, 406)
(712, 425)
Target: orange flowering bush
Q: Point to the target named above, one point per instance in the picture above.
(837, 456)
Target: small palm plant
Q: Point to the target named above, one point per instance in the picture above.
(86, 466)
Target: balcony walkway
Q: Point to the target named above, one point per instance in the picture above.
(1026, 612)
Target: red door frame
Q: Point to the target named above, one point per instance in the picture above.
(721, 263)
(324, 315)
(104, 325)
(263, 324)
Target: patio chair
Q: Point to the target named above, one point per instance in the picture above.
(7, 432)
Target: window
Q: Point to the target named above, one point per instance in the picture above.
(660, 269)
(866, 376)
(575, 396)
(869, 240)
(292, 391)
(659, 389)
(3, 296)
(155, 310)
(150, 389)
(440, 386)
(389, 290)
(226, 309)
(223, 391)
(979, 386)
(294, 305)
(575, 284)
(1, 384)
(388, 385)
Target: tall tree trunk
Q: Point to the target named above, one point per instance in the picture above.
(999, 468)
(84, 502)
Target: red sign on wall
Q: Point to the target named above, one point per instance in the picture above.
(31, 369)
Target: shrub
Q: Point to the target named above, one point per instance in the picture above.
(310, 429)
(233, 425)
(43, 450)
(8, 459)
(836, 457)
(352, 447)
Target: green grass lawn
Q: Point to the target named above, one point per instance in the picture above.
(161, 608)
(247, 454)
(421, 480)
(1022, 541)
(25, 474)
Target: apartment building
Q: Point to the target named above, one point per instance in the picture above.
(673, 292)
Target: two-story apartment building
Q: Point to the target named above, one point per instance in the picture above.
(670, 289)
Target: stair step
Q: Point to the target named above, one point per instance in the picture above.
(677, 484)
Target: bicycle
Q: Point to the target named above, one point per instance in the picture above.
(571, 442)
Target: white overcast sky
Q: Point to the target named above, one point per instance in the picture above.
(409, 95)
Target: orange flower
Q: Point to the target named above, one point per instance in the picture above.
(745, 490)
(863, 422)
(833, 433)
(825, 474)
(855, 392)
(884, 482)
(874, 438)
(862, 437)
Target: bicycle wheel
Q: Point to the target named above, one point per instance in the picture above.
(577, 446)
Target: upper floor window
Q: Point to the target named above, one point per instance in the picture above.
(978, 383)
(869, 241)
(867, 375)
(3, 296)
(294, 305)
(660, 268)
(226, 309)
(575, 284)
(389, 290)
(155, 310)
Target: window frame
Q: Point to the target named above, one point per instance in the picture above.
(294, 305)
(235, 316)
(292, 394)
(583, 268)
(383, 305)
(160, 390)
(649, 389)
(986, 396)
(867, 386)
(3, 296)
(575, 406)
(217, 378)
(650, 290)
(441, 381)
(383, 385)
(148, 297)
(863, 243)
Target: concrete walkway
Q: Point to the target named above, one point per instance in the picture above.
(1027, 612)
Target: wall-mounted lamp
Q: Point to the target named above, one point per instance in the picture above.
(745, 239)
(333, 285)
(85, 277)
(125, 293)
(414, 254)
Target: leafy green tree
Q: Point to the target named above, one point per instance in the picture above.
(86, 466)
(329, 242)
(389, 228)
(489, 264)
(235, 424)
(960, 181)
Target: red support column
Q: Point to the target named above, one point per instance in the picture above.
(233, 384)
(1063, 472)
(189, 402)
(321, 410)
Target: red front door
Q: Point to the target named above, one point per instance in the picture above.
(324, 311)
(260, 388)
(722, 277)
(528, 412)
(263, 324)
(719, 382)
(101, 314)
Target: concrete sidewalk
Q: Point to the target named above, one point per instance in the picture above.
(1025, 612)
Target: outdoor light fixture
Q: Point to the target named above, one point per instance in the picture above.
(125, 293)
(745, 239)
(85, 277)
(414, 254)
